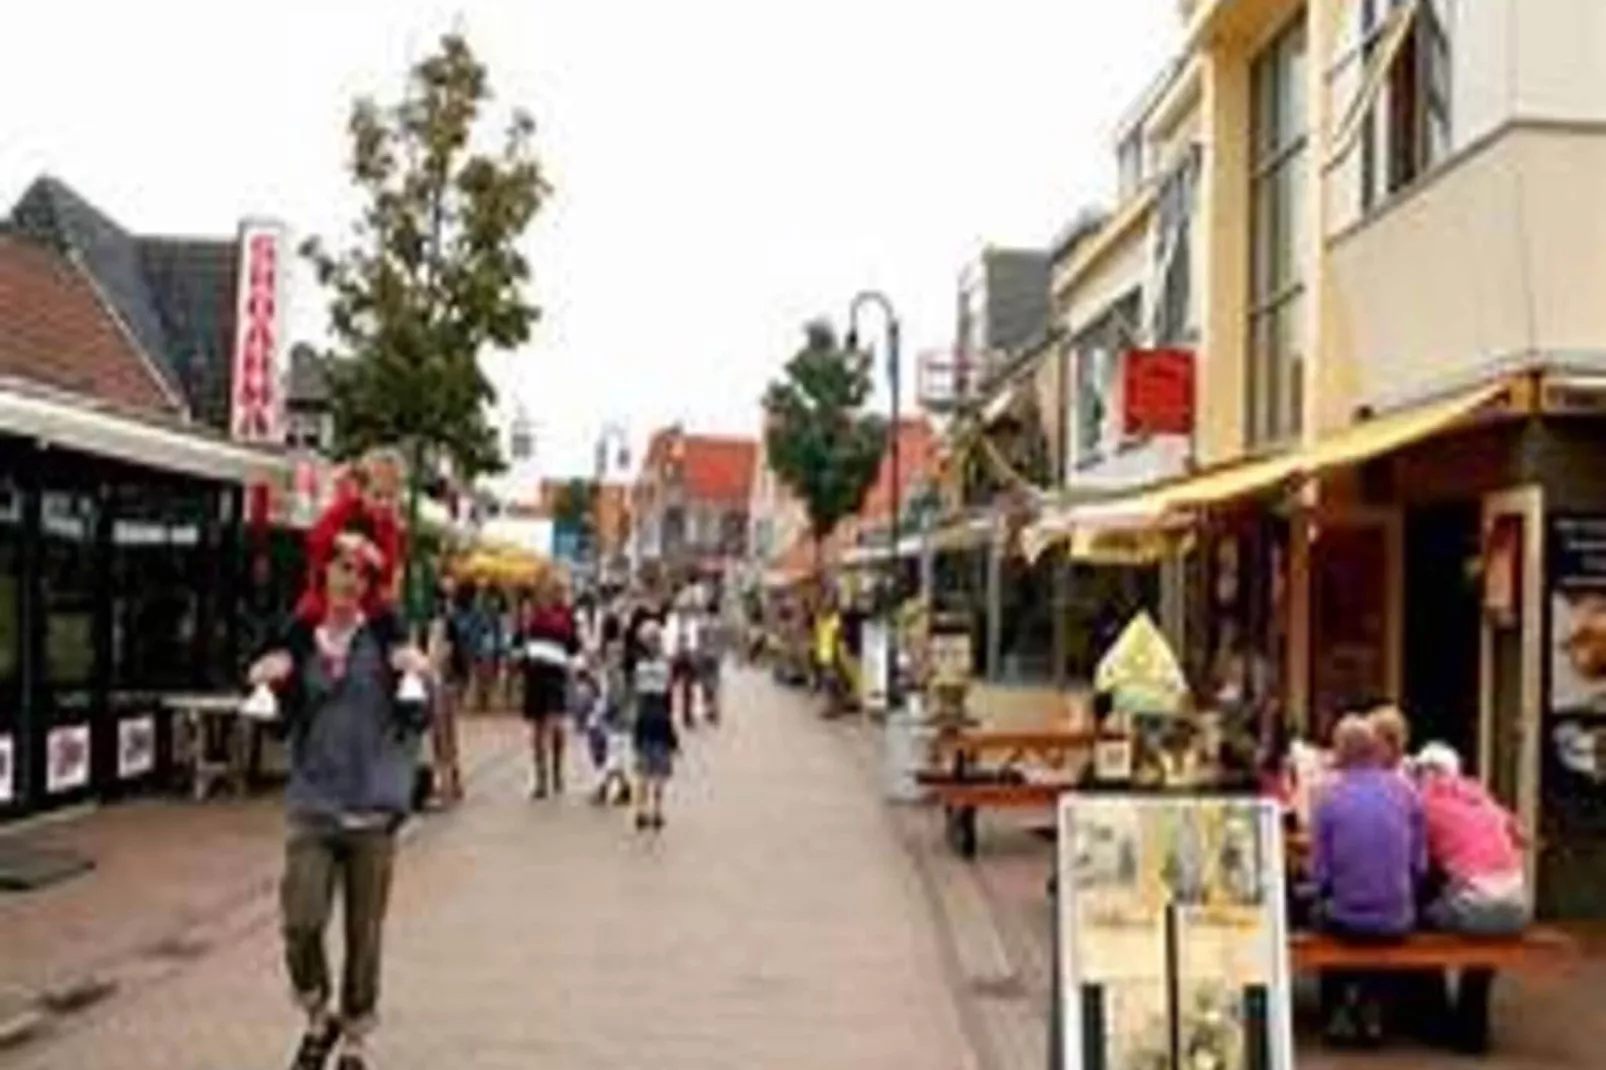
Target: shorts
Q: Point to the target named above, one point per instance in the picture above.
(546, 694)
(655, 759)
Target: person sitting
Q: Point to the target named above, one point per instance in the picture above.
(1393, 734)
(1367, 853)
(1474, 850)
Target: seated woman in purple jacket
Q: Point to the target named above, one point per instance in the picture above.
(1368, 852)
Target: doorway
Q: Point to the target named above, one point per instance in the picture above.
(1442, 613)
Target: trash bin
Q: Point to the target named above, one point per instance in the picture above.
(907, 741)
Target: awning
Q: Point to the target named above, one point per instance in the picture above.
(1385, 434)
(1151, 518)
(57, 420)
(1120, 523)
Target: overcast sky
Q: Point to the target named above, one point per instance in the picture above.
(725, 169)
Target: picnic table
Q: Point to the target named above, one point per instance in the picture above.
(975, 769)
(214, 740)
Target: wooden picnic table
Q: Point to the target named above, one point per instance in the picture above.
(214, 739)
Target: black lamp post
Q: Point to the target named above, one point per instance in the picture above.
(894, 380)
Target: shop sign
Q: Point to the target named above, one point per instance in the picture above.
(67, 758)
(1172, 930)
(136, 746)
(1157, 392)
(8, 770)
(259, 334)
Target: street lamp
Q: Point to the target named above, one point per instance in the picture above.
(612, 453)
(894, 380)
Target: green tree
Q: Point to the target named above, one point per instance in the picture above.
(431, 274)
(821, 442)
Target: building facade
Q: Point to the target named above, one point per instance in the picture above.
(689, 504)
(1399, 377)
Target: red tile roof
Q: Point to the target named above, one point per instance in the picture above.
(719, 469)
(715, 469)
(56, 330)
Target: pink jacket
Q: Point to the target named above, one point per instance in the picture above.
(1470, 835)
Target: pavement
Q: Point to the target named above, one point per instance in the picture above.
(776, 922)
(787, 918)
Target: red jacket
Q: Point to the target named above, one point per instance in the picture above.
(388, 537)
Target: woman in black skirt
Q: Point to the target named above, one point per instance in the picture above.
(547, 646)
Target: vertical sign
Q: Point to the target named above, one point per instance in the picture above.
(1172, 934)
(254, 412)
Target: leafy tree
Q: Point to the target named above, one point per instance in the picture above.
(823, 445)
(431, 274)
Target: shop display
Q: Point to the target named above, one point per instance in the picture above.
(1173, 934)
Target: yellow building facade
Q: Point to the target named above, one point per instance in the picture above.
(1394, 235)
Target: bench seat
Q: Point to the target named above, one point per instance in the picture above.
(1538, 947)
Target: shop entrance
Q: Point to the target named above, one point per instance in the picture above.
(1442, 611)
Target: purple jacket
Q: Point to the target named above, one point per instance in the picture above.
(1368, 851)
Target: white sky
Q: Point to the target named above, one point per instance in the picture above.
(725, 169)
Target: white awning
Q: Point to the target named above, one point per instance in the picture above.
(76, 424)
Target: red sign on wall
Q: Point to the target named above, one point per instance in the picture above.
(1157, 392)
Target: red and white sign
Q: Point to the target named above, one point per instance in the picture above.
(255, 412)
(1157, 392)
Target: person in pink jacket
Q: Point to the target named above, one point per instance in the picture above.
(1474, 845)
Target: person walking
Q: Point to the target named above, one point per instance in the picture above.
(654, 737)
(713, 645)
(353, 750)
(680, 639)
(547, 648)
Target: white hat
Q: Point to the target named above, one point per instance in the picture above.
(1439, 758)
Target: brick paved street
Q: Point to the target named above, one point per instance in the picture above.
(775, 924)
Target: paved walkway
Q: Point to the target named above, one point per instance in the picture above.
(775, 923)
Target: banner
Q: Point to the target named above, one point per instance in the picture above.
(256, 404)
(1172, 925)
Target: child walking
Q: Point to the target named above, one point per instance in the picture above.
(656, 741)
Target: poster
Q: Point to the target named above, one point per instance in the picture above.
(136, 746)
(1578, 614)
(1173, 934)
(8, 770)
(67, 758)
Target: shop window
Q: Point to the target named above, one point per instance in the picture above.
(1099, 602)
(67, 581)
(1026, 620)
(159, 544)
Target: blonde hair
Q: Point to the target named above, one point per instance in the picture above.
(1392, 731)
(1355, 741)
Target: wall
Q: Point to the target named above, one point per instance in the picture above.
(1426, 300)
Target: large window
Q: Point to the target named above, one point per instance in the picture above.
(1279, 239)
(1097, 355)
(67, 581)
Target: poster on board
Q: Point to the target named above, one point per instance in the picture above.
(136, 746)
(8, 770)
(67, 758)
(1173, 930)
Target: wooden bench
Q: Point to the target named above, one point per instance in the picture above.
(1476, 959)
(975, 770)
